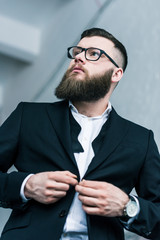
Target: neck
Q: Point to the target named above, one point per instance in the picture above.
(92, 109)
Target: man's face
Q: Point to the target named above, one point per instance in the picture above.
(81, 66)
(88, 80)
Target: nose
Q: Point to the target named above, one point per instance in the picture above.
(80, 58)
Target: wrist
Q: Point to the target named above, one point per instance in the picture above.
(22, 190)
(131, 209)
(28, 188)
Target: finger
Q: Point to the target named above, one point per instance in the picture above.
(86, 191)
(92, 210)
(68, 173)
(58, 186)
(92, 184)
(51, 198)
(55, 194)
(88, 201)
(68, 180)
(108, 212)
(63, 177)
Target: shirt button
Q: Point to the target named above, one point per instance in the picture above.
(62, 213)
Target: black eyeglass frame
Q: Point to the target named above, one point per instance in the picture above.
(85, 50)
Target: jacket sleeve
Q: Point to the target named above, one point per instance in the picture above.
(147, 223)
(10, 183)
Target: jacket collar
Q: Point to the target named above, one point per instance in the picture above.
(112, 132)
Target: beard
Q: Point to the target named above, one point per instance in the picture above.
(88, 89)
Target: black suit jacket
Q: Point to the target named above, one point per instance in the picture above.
(37, 137)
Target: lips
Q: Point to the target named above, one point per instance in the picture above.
(77, 69)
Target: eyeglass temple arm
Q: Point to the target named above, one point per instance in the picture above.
(111, 60)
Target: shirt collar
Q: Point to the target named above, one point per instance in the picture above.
(105, 114)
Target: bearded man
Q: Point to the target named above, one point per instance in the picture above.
(77, 160)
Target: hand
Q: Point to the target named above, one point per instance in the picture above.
(49, 187)
(101, 198)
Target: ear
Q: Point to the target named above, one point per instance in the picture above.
(117, 75)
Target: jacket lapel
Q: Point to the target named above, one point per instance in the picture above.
(59, 115)
(111, 136)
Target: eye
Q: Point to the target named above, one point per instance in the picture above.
(93, 53)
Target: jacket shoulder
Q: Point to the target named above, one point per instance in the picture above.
(130, 123)
(36, 106)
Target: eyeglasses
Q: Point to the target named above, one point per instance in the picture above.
(91, 54)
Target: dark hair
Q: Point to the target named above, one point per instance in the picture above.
(117, 44)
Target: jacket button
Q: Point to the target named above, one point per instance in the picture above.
(148, 233)
(62, 213)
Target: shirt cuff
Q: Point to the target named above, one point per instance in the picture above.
(24, 199)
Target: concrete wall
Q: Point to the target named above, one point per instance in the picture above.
(136, 24)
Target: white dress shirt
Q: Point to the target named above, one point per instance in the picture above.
(76, 225)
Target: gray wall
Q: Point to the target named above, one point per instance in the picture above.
(135, 23)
